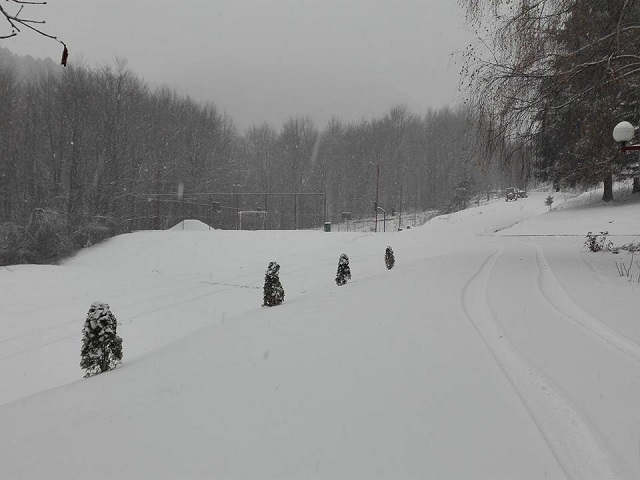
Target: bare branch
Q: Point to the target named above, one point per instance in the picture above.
(16, 20)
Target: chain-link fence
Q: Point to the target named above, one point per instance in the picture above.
(350, 222)
(241, 210)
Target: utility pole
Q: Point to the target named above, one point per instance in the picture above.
(325, 207)
(156, 220)
(400, 212)
(235, 194)
(377, 189)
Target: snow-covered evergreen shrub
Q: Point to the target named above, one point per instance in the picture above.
(273, 291)
(389, 259)
(101, 346)
(344, 271)
(549, 201)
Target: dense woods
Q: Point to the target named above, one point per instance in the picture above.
(87, 153)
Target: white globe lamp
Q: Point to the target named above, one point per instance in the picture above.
(623, 132)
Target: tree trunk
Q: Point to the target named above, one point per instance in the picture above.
(607, 196)
(636, 185)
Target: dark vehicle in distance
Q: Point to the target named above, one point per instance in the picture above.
(510, 194)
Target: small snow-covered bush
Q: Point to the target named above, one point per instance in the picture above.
(598, 243)
(389, 259)
(101, 346)
(549, 201)
(273, 291)
(344, 271)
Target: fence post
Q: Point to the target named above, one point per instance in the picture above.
(182, 211)
(266, 209)
(133, 211)
(210, 212)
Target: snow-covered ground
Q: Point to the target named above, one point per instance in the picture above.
(497, 348)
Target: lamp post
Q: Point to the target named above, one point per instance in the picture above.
(623, 133)
(400, 213)
(375, 204)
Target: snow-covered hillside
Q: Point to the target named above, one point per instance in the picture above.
(497, 348)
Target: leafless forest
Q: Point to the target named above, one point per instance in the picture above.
(87, 153)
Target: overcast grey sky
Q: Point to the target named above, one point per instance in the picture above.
(268, 60)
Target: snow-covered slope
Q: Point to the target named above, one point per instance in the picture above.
(497, 348)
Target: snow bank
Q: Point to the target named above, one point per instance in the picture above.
(191, 225)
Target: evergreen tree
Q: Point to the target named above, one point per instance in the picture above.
(549, 201)
(389, 259)
(101, 346)
(462, 194)
(273, 291)
(344, 271)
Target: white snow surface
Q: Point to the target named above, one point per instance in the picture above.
(497, 348)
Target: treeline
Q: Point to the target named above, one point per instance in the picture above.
(77, 144)
(86, 153)
(424, 162)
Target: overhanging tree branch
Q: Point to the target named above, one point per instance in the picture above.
(16, 20)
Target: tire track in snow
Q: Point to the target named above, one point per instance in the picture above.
(81, 322)
(78, 334)
(552, 292)
(252, 273)
(66, 324)
(39, 331)
(573, 444)
(181, 300)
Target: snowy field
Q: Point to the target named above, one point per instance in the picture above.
(497, 348)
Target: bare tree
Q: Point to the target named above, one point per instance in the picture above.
(261, 143)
